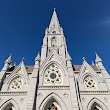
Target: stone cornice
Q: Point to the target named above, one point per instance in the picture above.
(94, 93)
(13, 93)
(54, 87)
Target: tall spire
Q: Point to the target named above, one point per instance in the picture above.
(54, 22)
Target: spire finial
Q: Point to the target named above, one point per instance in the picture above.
(84, 58)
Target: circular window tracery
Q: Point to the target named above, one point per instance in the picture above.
(90, 83)
(16, 84)
(52, 75)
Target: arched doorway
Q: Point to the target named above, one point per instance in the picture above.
(10, 105)
(96, 104)
(52, 102)
(52, 105)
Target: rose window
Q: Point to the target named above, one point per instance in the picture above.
(90, 83)
(16, 84)
(52, 75)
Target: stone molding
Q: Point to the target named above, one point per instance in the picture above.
(13, 93)
(94, 92)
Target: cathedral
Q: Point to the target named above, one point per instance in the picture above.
(53, 82)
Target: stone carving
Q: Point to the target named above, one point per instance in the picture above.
(106, 99)
(83, 99)
(22, 99)
(65, 95)
(40, 95)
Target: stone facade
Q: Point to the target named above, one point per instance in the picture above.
(54, 83)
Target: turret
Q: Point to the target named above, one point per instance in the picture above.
(100, 66)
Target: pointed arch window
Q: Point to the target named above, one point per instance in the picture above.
(96, 107)
(16, 84)
(90, 83)
(9, 107)
(53, 75)
(52, 105)
(53, 41)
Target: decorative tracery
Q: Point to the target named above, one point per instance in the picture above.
(90, 83)
(52, 75)
(16, 84)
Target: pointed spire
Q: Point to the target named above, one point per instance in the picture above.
(38, 57)
(9, 59)
(98, 59)
(54, 21)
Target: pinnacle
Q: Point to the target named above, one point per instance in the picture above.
(9, 59)
(98, 59)
(68, 57)
(38, 57)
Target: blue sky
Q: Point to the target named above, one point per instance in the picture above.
(86, 25)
